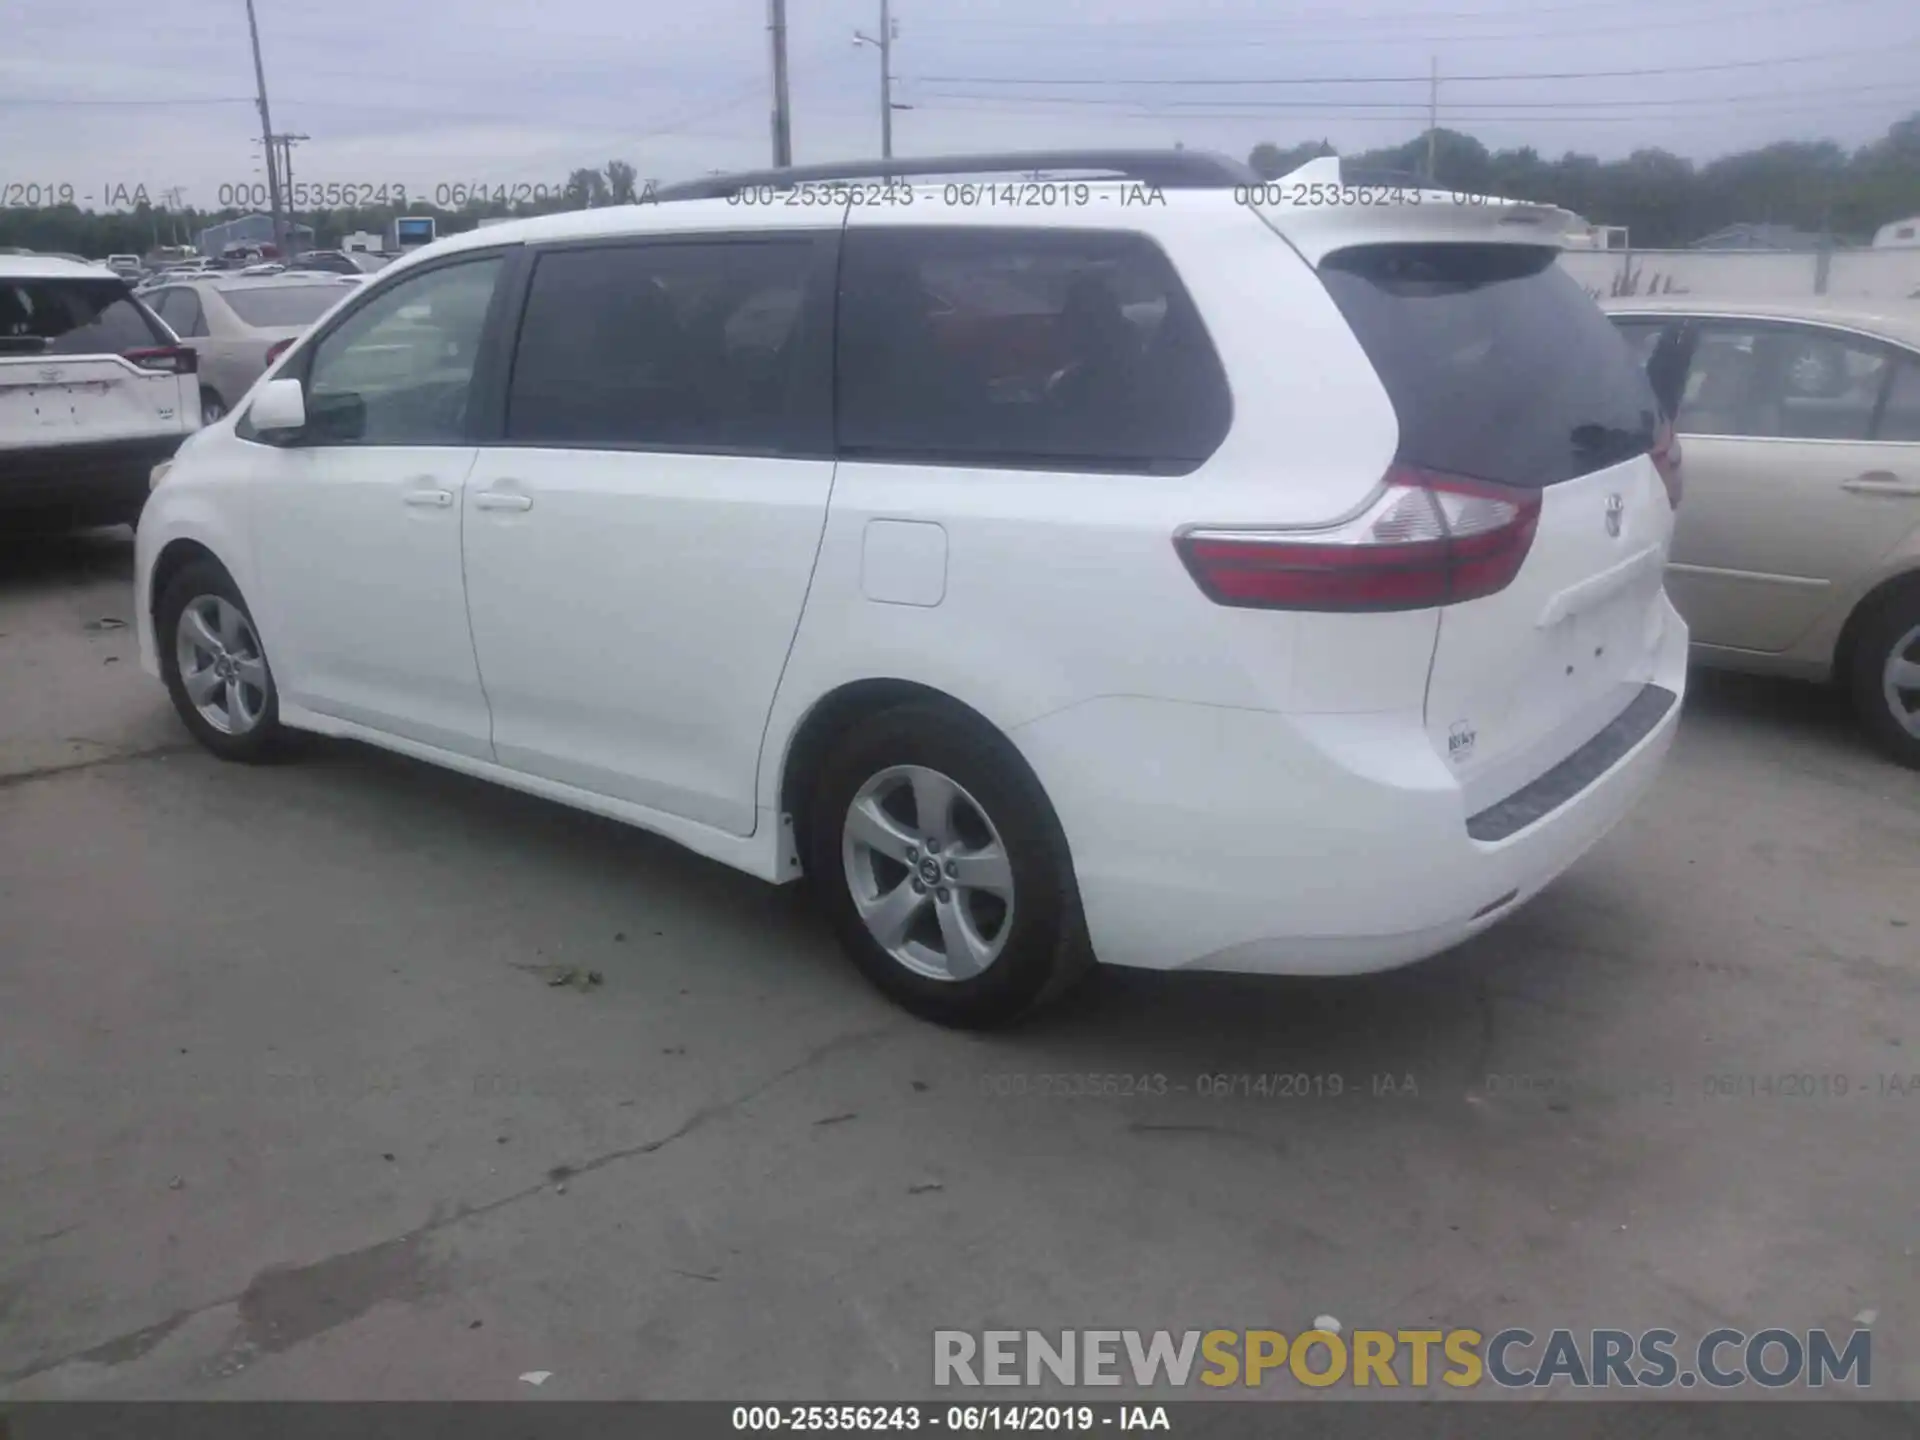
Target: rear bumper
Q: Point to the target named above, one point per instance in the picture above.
(110, 477)
(1214, 839)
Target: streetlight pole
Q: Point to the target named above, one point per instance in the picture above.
(266, 136)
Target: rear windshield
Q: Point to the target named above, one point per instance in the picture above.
(1498, 365)
(267, 307)
(72, 317)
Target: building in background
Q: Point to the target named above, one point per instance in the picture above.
(1758, 237)
(250, 232)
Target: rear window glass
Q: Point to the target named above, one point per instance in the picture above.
(72, 317)
(1498, 364)
(270, 306)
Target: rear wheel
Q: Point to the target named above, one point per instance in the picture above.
(212, 407)
(943, 869)
(1886, 677)
(215, 667)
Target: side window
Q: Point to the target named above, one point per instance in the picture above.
(180, 308)
(1032, 349)
(1900, 418)
(676, 346)
(1641, 336)
(165, 304)
(397, 370)
(1719, 382)
(1819, 385)
(1789, 382)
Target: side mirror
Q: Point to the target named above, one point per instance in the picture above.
(279, 410)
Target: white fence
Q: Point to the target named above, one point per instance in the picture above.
(1884, 274)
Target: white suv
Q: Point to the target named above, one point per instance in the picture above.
(1161, 570)
(94, 392)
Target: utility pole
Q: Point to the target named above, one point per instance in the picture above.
(782, 108)
(266, 136)
(1433, 115)
(889, 32)
(886, 82)
(287, 142)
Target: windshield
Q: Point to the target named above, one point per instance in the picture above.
(267, 307)
(1498, 365)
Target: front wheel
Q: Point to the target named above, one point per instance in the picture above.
(215, 667)
(1886, 677)
(943, 868)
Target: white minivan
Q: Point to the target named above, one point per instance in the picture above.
(1145, 565)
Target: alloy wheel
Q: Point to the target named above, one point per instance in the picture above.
(928, 873)
(1900, 681)
(221, 665)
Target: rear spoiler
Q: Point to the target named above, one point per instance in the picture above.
(1327, 205)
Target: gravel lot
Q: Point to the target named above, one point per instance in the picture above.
(288, 1107)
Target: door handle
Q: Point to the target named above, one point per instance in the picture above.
(502, 500)
(1880, 482)
(436, 499)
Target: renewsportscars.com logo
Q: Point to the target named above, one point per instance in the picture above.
(1510, 1359)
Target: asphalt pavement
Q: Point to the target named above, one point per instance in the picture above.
(291, 1104)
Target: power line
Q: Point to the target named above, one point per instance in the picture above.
(1231, 39)
(1419, 79)
(23, 100)
(1597, 104)
(1409, 113)
(1315, 16)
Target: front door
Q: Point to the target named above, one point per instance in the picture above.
(640, 540)
(356, 521)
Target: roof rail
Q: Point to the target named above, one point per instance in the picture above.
(1167, 169)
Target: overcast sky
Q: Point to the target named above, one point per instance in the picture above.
(425, 92)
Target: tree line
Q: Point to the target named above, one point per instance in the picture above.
(1663, 199)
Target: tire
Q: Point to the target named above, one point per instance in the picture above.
(1031, 942)
(1890, 636)
(204, 590)
(212, 407)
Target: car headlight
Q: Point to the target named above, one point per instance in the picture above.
(159, 474)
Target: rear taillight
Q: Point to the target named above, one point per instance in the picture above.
(1428, 539)
(276, 350)
(174, 359)
(1666, 459)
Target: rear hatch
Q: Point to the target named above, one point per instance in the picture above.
(1504, 374)
(82, 362)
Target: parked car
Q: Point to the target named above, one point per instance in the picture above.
(236, 324)
(127, 267)
(1234, 586)
(337, 262)
(93, 393)
(1797, 550)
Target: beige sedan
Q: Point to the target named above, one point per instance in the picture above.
(234, 322)
(1796, 549)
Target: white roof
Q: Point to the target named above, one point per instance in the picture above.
(50, 267)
